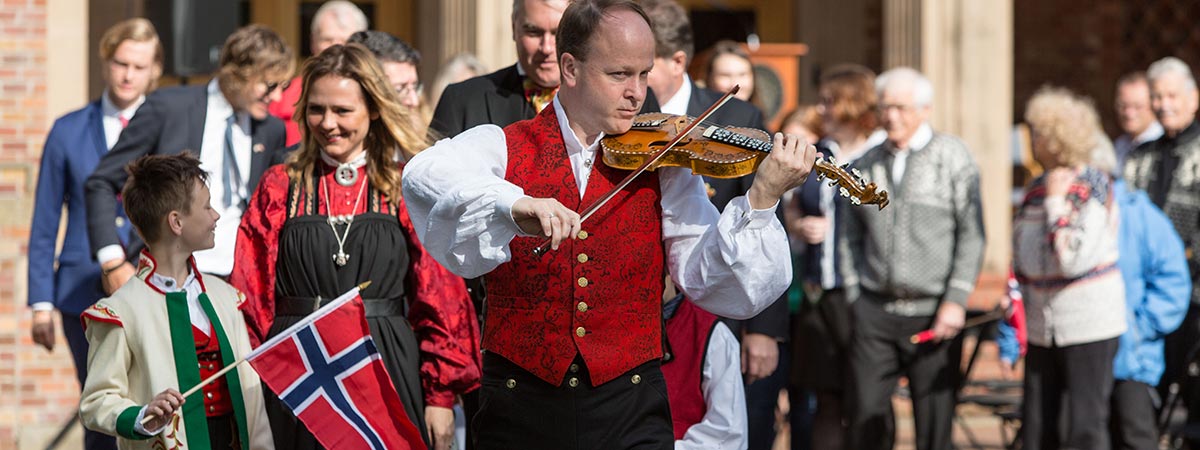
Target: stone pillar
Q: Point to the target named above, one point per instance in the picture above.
(450, 27)
(965, 47)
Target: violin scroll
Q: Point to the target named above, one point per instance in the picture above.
(850, 183)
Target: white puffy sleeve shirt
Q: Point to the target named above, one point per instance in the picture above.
(733, 264)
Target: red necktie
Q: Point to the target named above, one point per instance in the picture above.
(124, 121)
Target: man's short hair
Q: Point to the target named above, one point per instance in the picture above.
(386, 47)
(1170, 65)
(345, 13)
(518, 9)
(921, 86)
(1133, 78)
(580, 20)
(137, 30)
(672, 28)
(157, 185)
(252, 52)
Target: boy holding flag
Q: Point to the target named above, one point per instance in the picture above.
(171, 328)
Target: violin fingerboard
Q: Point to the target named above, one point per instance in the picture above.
(737, 139)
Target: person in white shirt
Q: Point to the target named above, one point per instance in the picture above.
(1134, 115)
(224, 121)
(132, 58)
(572, 329)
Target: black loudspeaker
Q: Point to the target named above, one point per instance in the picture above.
(192, 32)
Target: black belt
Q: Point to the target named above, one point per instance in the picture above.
(303, 306)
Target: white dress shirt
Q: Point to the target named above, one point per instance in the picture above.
(678, 103)
(917, 142)
(219, 259)
(110, 118)
(725, 425)
(733, 264)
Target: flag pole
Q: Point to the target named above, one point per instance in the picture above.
(231, 366)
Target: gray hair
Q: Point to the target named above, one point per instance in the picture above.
(1171, 65)
(909, 77)
(518, 9)
(346, 14)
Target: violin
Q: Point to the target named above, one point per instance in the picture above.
(719, 152)
(664, 140)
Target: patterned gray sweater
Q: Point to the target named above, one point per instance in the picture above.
(927, 245)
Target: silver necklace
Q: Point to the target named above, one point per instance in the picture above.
(346, 174)
(341, 258)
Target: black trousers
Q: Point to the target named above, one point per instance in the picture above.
(1084, 372)
(518, 410)
(1132, 424)
(880, 352)
(762, 399)
(223, 432)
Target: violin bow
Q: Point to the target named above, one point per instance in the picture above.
(545, 246)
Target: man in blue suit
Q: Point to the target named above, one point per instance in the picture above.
(133, 62)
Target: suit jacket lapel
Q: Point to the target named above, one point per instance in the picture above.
(196, 117)
(507, 104)
(259, 157)
(95, 128)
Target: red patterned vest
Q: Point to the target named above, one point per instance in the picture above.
(216, 394)
(688, 333)
(598, 296)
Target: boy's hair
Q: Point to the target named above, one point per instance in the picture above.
(159, 184)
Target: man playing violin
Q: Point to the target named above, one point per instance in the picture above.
(573, 338)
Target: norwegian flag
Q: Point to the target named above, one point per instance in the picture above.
(1016, 312)
(327, 369)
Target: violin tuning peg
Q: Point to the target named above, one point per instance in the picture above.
(833, 182)
(845, 193)
(856, 173)
(856, 201)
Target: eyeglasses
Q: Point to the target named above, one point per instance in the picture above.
(899, 108)
(272, 86)
(408, 89)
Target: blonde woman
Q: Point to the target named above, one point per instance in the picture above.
(1065, 254)
(333, 217)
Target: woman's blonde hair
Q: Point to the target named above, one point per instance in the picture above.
(391, 136)
(1066, 125)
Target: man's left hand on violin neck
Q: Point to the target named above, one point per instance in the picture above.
(784, 169)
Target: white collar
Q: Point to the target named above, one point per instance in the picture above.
(217, 103)
(918, 141)
(678, 103)
(168, 284)
(358, 161)
(1152, 132)
(108, 109)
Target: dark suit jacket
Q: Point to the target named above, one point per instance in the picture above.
(74, 147)
(171, 121)
(736, 113)
(497, 98)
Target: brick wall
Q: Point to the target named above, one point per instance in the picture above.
(38, 392)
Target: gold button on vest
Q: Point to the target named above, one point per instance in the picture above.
(583, 234)
(583, 282)
(582, 258)
(583, 307)
(580, 331)
(636, 379)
